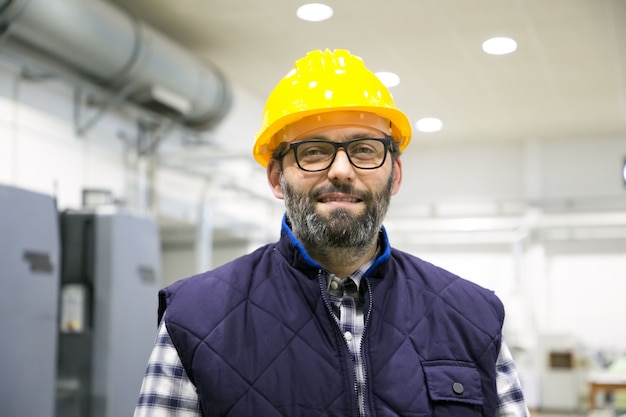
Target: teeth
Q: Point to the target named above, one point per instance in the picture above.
(349, 200)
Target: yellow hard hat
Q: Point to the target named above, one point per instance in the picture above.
(321, 82)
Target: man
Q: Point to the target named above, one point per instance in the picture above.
(330, 320)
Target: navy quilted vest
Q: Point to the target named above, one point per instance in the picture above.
(256, 338)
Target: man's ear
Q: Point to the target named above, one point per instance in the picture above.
(273, 178)
(397, 176)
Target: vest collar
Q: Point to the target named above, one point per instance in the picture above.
(297, 256)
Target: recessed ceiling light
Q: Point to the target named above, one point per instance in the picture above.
(389, 79)
(429, 124)
(499, 46)
(314, 12)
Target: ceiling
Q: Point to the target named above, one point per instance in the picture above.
(567, 78)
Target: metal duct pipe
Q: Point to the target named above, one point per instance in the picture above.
(110, 47)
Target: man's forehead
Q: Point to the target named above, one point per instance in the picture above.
(334, 120)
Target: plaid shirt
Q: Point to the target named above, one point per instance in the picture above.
(166, 390)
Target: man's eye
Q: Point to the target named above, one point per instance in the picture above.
(310, 151)
(306, 151)
(363, 150)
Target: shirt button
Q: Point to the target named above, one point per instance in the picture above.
(334, 285)
(348, 336)
(458, 388)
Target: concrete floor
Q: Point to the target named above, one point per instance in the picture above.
(596, 413)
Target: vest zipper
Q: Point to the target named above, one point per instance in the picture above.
(366, 318)
(323, 288)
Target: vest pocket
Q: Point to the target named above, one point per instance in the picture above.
(454, 388)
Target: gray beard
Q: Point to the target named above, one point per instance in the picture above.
(340, 234)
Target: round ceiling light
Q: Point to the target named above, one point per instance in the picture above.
(429, 124)
(389, 79)
(314, 12)
(499, 46)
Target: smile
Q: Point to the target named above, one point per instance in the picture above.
(341, 200)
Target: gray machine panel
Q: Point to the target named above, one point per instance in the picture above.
(29, 282)
(127, 279)
(116, 261)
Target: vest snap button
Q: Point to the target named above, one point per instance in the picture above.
(458, 388)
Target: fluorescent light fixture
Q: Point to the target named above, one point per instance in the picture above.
(389, 79)
(624, 172)
(499, 46)
(171, 99)
(314, 12)
(429, 124)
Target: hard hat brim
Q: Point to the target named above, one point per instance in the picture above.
(266, 142)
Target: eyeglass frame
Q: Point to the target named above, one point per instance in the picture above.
(390, 146)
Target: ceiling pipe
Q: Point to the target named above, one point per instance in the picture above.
(110, 47)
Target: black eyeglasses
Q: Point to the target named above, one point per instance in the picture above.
(318, 155)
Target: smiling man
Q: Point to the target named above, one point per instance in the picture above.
(330, 320)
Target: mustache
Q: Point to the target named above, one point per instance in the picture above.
(338, 188)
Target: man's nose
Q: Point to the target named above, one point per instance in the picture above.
(341, 168)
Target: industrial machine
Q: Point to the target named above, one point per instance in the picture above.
(78, 307)
(29, 286)
(563, 377)
(108, 302)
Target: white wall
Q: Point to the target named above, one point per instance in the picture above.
(585, 285)
(513, 170)
(38, 148)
